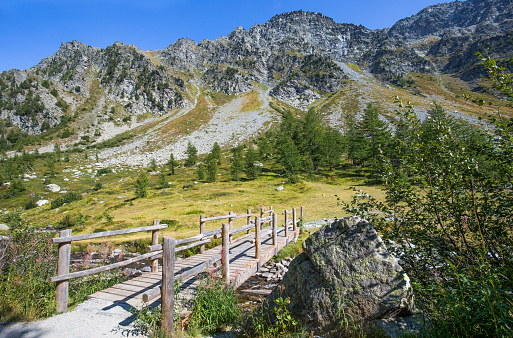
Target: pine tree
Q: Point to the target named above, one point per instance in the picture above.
(375, 131)
(357, 144)
(251, 167)
(333, 145)
(290, 158)
(237, 163)
(192, 155)
(163, 180)
(312, 134)
(216, 153)
(141, 185)
(201, 172)
(172, 163)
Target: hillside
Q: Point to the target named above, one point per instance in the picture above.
(161, 99)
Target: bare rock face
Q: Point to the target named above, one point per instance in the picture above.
(345, 269)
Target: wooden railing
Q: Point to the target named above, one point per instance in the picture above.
(63, 263)
(170, 246)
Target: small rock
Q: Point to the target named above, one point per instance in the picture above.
(267, 275)
(146, 269)
(4, 227)
(53, 187)
(121, 196)
(26, 180)
(280, 188)
(40, 203)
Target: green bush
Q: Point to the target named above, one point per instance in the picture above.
(103, 171)
(30, 203)
(68, 197)
(69, 221)
(26, 265)
(215, 306)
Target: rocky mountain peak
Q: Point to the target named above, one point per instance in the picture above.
(468, 15)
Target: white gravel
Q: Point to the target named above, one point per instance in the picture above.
(93, 318)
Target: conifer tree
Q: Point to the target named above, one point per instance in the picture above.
(251, 167)
(172, 163)
(192, 155)
(216, 153)
(312, 134)
(290, 159)
(141, 185)
(333, 146)
(237, 163)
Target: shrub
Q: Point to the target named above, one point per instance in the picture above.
(69, 221)
(103, 171)
(25, 269)
(141, 185)
(215, 306)
(30, 203)
(68, 197)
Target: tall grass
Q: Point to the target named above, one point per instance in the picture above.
(26, 264)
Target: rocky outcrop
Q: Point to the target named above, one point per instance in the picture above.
(490, 16)
(345, 271)
(229, 81)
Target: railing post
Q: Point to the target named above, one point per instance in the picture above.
(261, 216)
(248, 219)
(286, 223)
(202, 230)
(230, 223)
(275, 229)
(301, 215)
(257, 240)
(226, 253)
(294, 220)
(155, 241)
(168, 285)
(270, 214)
(62, 288)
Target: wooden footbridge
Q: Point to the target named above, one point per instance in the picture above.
(261, 239)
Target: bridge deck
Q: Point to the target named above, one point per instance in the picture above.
(242, 267)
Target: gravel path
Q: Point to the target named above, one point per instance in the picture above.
(93, 318)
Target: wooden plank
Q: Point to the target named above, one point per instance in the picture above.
(101, 268)
(219, 217)
(258, 292)
(107, 233)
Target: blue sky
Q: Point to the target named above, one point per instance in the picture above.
(33, 29)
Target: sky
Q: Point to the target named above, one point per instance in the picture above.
(33, 29)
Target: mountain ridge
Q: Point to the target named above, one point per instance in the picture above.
(299, 58)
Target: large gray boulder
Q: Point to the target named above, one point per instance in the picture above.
(345, 271)
(53, 187)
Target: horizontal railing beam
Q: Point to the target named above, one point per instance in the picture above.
(107, 234)
(104, 268)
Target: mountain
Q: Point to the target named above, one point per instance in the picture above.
(295, 60)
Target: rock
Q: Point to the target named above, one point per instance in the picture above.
(344, 266)
(411, 326)
(280, 188)
(40, 203)
(187, 186)
(146, 269)
(53, 187)
(4, 227)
